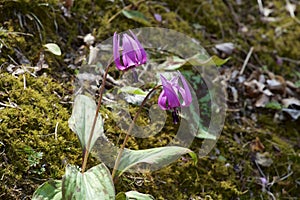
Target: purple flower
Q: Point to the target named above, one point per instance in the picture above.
(157, 17)
(133, 54)
(169, 97)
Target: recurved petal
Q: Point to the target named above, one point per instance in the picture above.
(116, 45)
(185, 92)
(162, 101)
(116, 54)
(128, 62)
(172, 98)
(174, 81)
(130, 50)
(143, 57)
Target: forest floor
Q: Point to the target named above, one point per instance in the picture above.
(258, 153)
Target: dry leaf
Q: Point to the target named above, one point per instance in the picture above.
(256, 145)
(290, 101)
(225, 47)
(295, 114)
(263, 159)
(262, 101)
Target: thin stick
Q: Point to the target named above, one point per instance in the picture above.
(86, 150)
(24, 81)
(6, 105)
(246, 60)
(125, 8)
(129, 132)
(55, 132)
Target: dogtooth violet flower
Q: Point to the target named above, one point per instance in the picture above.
(169, 97)
(133, 54)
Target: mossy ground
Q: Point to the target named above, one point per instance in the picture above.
(30, 123)
(29, 119)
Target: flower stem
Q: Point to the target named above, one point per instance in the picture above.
(129, 132)
(86, 150)
(135, 75)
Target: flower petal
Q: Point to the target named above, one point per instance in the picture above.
(172, 98)
(129, 51)
(133, 54)
(128, 62)
(143, 58)
(136, 48)
(162, 101)
(116, 48)
(174, 83)
(116, 41)
(185, 91)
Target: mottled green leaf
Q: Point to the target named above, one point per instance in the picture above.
(96, 183)
(133, 195)
(81, 121)
(297, 84)
(136, 16)
(172, 63)
(133, 90)
(50, 190)
(53, 48)
(156, 157)
(212, 61)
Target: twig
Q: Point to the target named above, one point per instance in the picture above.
(24, 81)
(246, 60)
(271, 195)
(260, 6)
(3, 149)
(55, 132)
(8, 105)
(125, 8)
(233, 13)
(221, 28)
(12, 60)
(290, 60)
(259, 169)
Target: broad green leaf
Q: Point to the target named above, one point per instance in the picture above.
(219, 61)
(136, 16)
(273, 105)
(96, 183)
(156, 157)
(297, 84)
(132, 195)
(50, 190)
(53, 48)
(212, 61)
(81, 121)
(172, 63)
(133, 90)
(121, 196)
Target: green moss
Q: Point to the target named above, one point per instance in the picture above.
(31, 122)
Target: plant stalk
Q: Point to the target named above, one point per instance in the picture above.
(117, 163)
(86, 150)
